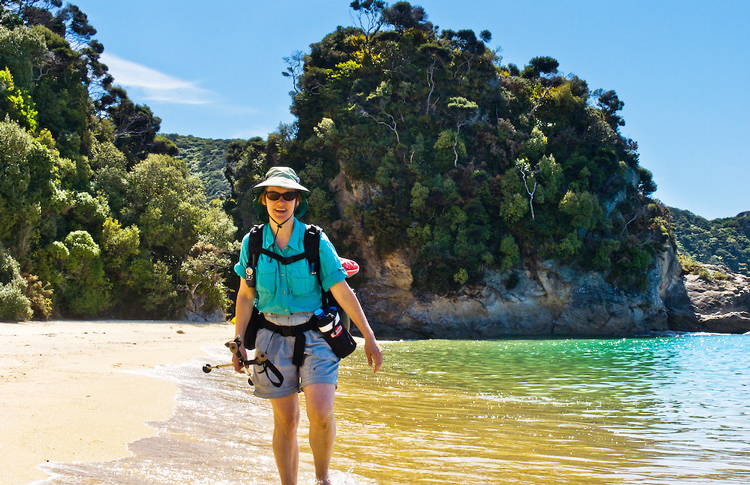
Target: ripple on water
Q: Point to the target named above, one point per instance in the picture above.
(669, 410)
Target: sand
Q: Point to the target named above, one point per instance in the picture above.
(66, 395)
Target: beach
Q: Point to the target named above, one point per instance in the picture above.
(68, 393)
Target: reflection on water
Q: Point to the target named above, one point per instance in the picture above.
(637, 411)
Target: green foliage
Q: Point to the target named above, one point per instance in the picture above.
(14, 305)
(165, 203)
(205, 159)
(426, 124)
(16, 103)
(156, 284)
(27, 180)
(582, 208)
(470, 160)
(723, 241)
(92, 204)
(510, 251)
(75, 269)
(202, 274)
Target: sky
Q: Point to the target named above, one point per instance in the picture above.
(213, 70)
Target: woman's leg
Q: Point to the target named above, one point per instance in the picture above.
(285, 447)
(319, 402)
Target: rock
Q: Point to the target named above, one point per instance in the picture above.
(721, 303)
(544, 300)
(217, 315)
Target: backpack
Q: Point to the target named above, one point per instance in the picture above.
(311, 244)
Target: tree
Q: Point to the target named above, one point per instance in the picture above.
(135, 126)
(463, 111)
(26, 183)
(369, 18)
(529, 182)
(16, 103)
(402, 16)
(540, 65)
(294, 69)
(610, 104)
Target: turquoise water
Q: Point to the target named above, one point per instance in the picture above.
(667, 410)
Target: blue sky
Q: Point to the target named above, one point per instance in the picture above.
(213, 70)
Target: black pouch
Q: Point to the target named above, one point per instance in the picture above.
(251, 331)
(338, 337)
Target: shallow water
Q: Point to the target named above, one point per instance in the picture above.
(668, 410)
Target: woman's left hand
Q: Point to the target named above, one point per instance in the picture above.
(374, 354)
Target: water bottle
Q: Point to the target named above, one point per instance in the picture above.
(326, 322)
(338, 338)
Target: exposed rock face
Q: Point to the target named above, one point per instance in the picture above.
(546, 300)
(550, 300)
(719, 304)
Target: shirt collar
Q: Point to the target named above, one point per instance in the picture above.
(296, 242)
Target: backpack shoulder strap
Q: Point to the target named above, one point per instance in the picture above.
(254, 244)
(312, 252)
(311, 244)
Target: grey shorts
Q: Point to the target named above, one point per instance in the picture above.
(321, 364)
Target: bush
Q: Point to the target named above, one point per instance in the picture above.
(14, 305)
(40, 297)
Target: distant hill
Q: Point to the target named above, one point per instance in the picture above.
(723, 241)
(205, 159)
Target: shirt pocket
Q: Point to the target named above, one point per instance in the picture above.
(301, 281)
(266, 283)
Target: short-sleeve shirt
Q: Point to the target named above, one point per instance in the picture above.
(291, 288)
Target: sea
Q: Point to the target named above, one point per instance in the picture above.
(667, 409)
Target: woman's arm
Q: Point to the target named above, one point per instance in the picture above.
(242, 314)
(349, 303)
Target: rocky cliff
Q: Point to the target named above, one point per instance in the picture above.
(547, 299)
(719, 301)
(544, 299)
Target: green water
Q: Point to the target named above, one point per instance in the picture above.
(660, 410)
(672, 410)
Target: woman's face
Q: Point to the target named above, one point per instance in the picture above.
(279, 209)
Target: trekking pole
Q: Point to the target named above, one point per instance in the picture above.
(260, 359)
(234, 347)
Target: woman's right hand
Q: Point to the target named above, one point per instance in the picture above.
(240, 366)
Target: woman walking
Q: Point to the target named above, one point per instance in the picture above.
(287, 296)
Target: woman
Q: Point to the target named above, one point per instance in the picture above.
(288, 295)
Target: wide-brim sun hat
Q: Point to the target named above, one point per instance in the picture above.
(285, 178)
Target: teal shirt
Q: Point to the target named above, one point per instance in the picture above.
(291, 288)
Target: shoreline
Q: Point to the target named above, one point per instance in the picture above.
(67, 395)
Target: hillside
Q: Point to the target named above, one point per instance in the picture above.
(724, 241)
(430, 145)
(205, 159)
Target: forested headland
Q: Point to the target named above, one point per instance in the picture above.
(412, 139)
(721, 242)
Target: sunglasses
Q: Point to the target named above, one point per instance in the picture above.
(288, 196)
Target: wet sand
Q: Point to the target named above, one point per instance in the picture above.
(66, 393)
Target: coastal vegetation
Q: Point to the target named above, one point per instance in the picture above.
(461, 162)
(97, 217)
(458, 161)
(721, 242)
